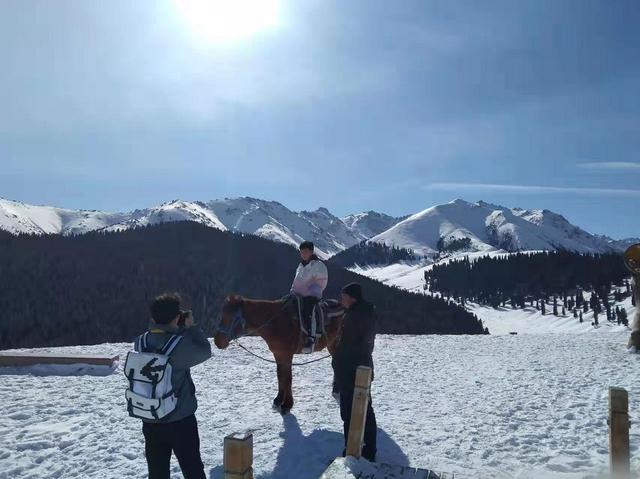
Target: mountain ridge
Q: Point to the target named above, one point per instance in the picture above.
(485, 227)
(480, 226)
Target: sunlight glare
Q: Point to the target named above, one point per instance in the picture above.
(216, 21)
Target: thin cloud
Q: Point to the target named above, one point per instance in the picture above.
(530, 189)
(610, 165)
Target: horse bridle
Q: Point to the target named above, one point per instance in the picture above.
(238, 320)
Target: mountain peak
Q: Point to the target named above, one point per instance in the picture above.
(487, 227)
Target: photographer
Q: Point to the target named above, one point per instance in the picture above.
(178, 432)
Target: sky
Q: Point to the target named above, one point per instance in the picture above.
(354, 106)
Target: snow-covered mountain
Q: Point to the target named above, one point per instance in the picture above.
(274, 221)
(172, 211)
(463, 226)
(371, 223)
(458, 225)
(268, 219)
(619, 245)
(17, 217)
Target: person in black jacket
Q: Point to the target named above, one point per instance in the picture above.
(354, 349)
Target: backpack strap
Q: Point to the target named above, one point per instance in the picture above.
(141, 343)
(171, 344)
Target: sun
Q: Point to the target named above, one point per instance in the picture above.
(220, 21)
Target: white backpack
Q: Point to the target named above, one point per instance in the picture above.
(150, 394)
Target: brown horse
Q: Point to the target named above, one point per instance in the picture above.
(277, 323)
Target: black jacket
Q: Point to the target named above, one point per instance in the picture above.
(355, 347)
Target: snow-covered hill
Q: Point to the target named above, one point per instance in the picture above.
(18, 217)
(409, 275)
(268, 219)
(481, 226)
(172, 211)
(526, 406)
(460, 225)
(371, 223)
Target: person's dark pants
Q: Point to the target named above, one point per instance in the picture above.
(181, 438)
(370, 428)
(308, 303)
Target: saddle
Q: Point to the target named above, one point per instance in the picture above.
(322, 315)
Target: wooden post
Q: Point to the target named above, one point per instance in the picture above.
(619, 433)
(359, 411)
(238, 456)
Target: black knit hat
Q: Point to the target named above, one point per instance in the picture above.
(306, 245)
(354, 290)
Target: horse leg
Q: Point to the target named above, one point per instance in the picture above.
(277, 402)
(287, 401)
(283, 402)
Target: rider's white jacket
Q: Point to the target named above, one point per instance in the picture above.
(311, 279)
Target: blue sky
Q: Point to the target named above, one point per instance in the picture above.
(358, 105)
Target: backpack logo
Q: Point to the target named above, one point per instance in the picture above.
(152, 372)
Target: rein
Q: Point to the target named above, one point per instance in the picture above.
(237, 343)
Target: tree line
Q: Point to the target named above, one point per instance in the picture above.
(372, 253)
(96, 287)
(555, 282)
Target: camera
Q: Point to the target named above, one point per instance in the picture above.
(183, 317)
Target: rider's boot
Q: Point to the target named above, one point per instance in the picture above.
(309, 345)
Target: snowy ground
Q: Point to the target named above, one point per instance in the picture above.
(502, 406)
(409, 275)
(505, 320)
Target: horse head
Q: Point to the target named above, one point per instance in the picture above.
(232, 322)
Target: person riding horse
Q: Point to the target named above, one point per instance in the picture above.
(309, 283)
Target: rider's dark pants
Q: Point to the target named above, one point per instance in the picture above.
(308, 303)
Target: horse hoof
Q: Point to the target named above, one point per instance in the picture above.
(278, 408)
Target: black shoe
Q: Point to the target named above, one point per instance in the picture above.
(369, 457)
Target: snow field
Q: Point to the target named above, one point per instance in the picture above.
(507, 406)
